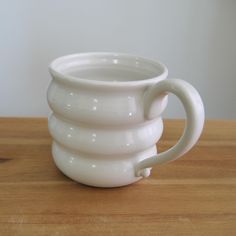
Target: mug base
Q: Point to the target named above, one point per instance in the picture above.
(90, 169)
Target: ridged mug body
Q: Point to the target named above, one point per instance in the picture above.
(100, 135)
(106, 117)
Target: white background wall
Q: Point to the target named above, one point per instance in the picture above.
(196, 39)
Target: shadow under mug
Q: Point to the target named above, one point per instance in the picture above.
(106, 116)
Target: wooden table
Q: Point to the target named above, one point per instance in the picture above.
(195, 195)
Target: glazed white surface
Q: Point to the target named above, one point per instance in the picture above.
(105, 132)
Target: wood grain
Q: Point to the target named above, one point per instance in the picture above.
(195, 195)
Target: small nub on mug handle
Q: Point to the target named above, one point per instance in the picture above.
(194, 110)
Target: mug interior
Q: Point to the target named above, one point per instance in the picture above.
(107, 67)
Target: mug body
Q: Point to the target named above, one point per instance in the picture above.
(98, 126)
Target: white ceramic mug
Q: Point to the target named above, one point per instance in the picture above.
(106, 116)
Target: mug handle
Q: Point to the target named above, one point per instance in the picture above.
(194, 110)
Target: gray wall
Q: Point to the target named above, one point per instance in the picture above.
(194, 38)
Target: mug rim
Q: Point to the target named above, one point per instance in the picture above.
(65, 77)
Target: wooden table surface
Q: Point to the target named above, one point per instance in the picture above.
(195, 195)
